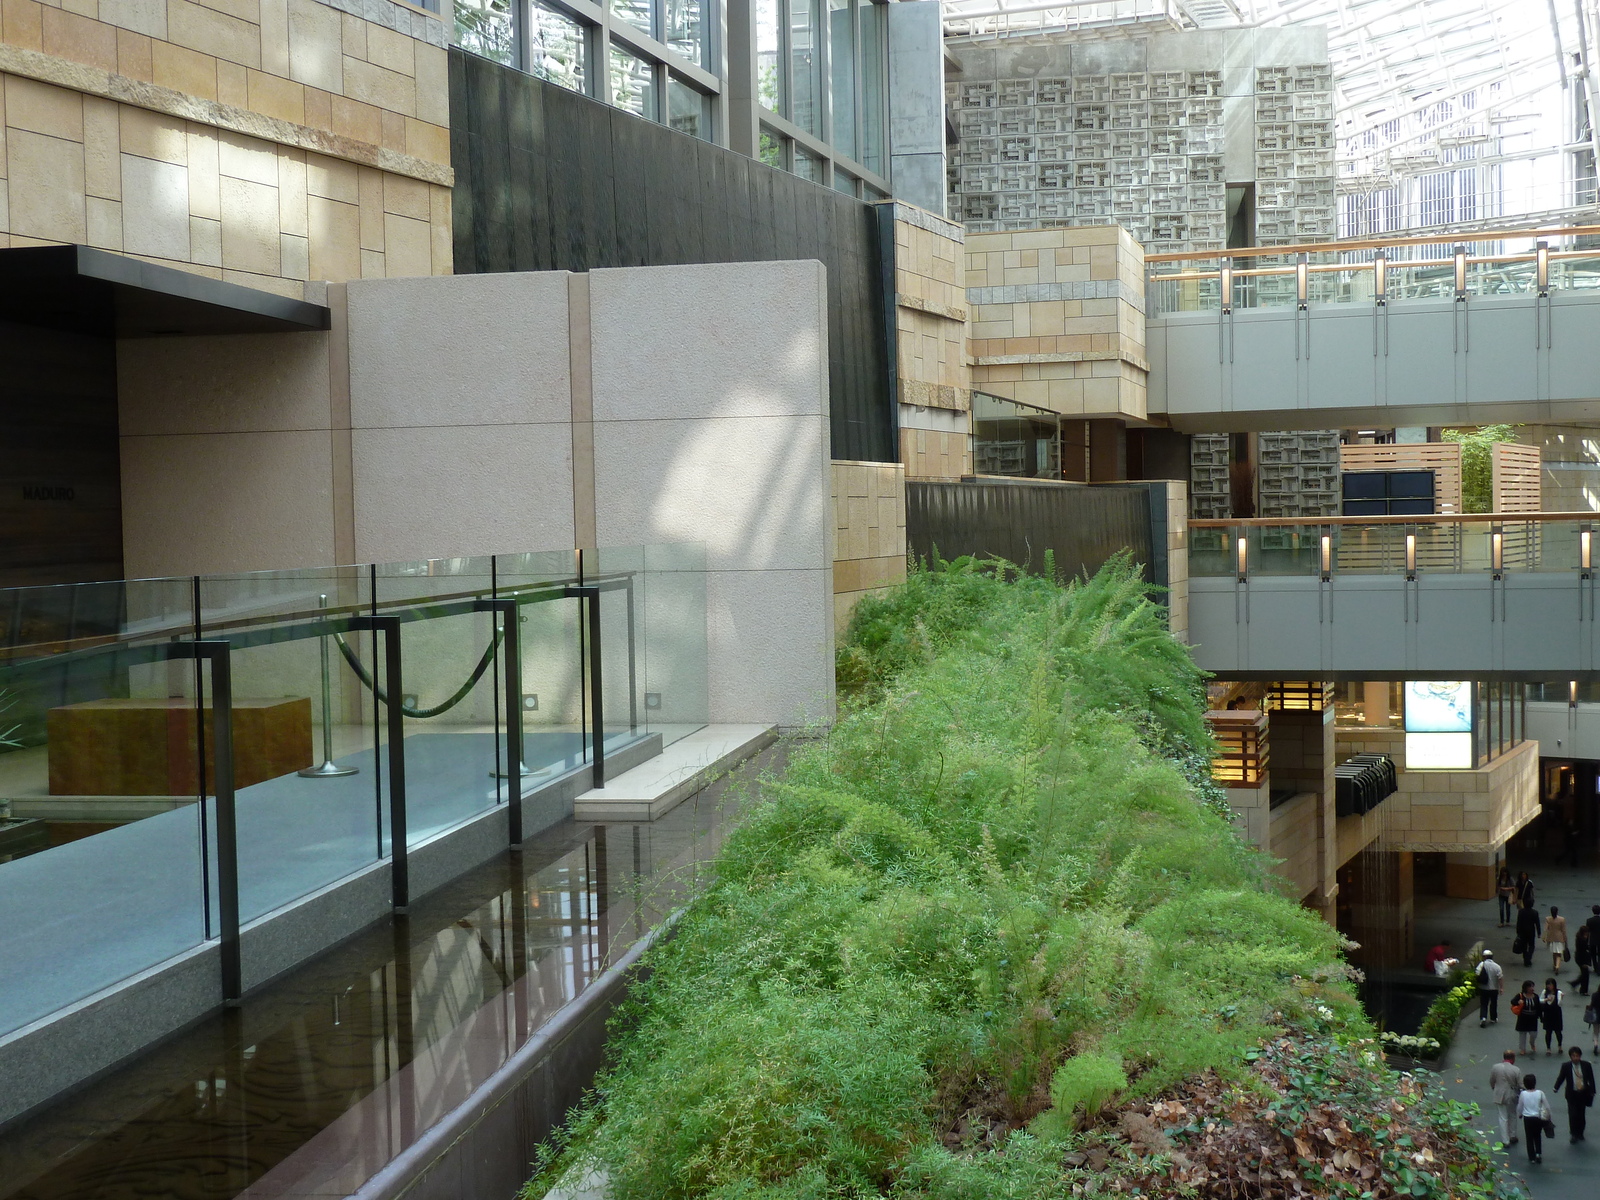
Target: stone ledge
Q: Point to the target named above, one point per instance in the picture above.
(1064, 356)
(47, 68)
(948, 312)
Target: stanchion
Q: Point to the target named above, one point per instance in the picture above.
(329, 769)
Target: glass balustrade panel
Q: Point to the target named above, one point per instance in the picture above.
(103, 863)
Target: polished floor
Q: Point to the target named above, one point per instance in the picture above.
(319, 1079)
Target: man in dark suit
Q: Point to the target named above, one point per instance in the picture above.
(1576, 1083)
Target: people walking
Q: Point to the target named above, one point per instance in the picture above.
(1555, 939)
(1583, 955)
(1576, 1086)
(1535, 1111)
(1491, 978)
(1550, 1015)
(1524, 888)
(1526, 1009)
(1505, 888)
(1594, 926)
(1527, 933)
(1505, 1082)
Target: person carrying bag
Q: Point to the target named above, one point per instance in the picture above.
(1536, 1121)
(1576, 1084)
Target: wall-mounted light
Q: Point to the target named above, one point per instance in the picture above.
(1461, 272)
(1572, 693)
(1586, 550)
(1541, 267)
(530, 701)
(1380, 277)
(1243, 548)
(1302, 280)
(1497, 552)
(1327, 557)
(1411, 556)
(1227, 289)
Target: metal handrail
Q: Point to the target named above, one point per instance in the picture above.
(1423, 519)
(1370, 244)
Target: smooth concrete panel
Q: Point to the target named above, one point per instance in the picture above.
(460, 350)
(916, 84)
(754, 490)
(223, 502)
(716, 340)
(771, 635)
(1383, 626)
(461, 490)
(243, 383)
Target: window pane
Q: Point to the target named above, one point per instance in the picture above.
(636, 13)
(485, 27)
(844, 183)
(633, 84)
(842, 68)
(690, 110)
(806, 166)
(685, 31)
(769, 56)
(868, 192)
(872, 88)
(771, 150)
(805, 66)
(556, 49)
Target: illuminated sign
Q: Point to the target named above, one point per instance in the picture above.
(1439, 725)
(1435, 706)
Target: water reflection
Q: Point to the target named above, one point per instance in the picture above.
(351, 1057)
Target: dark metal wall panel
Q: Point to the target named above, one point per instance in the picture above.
(547, 180)
(1084, 526)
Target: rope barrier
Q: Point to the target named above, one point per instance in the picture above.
(420, 713)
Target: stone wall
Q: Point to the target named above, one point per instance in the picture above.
(265, 142)
(869, 532)
(1451, 811)
(934, 379)
(1058, 319)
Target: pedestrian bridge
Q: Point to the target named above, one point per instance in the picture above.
(1436, 597)
(1498, 327)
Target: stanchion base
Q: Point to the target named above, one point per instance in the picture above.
(527, 772)
(328, 770)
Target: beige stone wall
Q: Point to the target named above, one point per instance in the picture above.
(265, 142)
(1251, 816)
(930, 310)
(934, 380)
(1452, 811)
(1295, 842)
(1058, 319)
(1178, 558)
(869, 532)
(934, 454)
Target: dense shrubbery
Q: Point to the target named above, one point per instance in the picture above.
(991, 908)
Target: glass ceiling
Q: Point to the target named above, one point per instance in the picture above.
(1450, 112)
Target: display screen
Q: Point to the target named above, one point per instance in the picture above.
(1439, 706)
(1439, 752)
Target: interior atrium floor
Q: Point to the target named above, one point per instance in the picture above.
(1568, 1171)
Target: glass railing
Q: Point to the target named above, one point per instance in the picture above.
(1448, 544)
(1513, 262)
(140, 818)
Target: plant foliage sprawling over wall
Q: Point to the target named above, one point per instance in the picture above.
(988, 939)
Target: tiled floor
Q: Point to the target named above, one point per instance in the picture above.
(351, 1056)
(1568, 1171)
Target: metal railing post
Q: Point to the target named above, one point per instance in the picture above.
(217, 653)
(591, 593)
(399, 872)
(511, 614)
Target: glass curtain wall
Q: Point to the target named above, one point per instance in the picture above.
(644, 75)
(821, 66)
